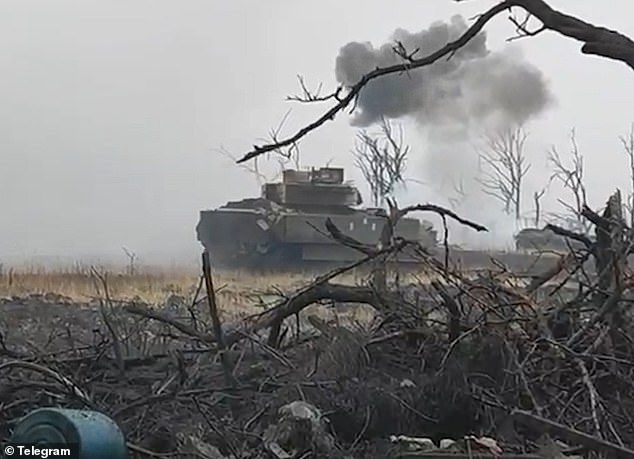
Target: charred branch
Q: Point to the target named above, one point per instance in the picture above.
(453, 309)
(546, 426)
(333, 292)
(443, 212)
(215, 319)
(337, 235)
(585, 240)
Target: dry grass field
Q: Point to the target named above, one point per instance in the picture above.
(78, 283)
(153, 285)
(238, 292)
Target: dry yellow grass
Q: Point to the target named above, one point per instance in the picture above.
(237, 291)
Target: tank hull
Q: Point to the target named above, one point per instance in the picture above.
(258, 238)
(267, 236)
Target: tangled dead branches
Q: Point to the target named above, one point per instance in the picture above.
(462, 355)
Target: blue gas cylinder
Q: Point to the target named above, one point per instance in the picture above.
(97, 436)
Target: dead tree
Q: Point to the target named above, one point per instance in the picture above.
(570, 177)
(504, 166)
(460, 194)
(628, 147)
(610, 243)
(537, 196)
(131, 261)
(381, 158)
(597, 41)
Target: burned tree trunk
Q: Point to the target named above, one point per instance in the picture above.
(379, 264)
(610, 248)
(537, 195)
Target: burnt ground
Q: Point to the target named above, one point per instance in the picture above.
(423, 368)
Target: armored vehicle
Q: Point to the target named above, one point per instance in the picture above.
(538, 239)
(286, 224)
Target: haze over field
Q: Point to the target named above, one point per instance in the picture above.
(112, 113)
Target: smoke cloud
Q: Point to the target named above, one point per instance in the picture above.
(453, 102)
(476, 85)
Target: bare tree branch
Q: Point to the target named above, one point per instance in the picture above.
(598, 41)
(571, 178)
(291, 155)
(354, 91)
(253, 169)
(506, 167)
(313, 96)
(381, 163)
(443, 213)
(628, 147)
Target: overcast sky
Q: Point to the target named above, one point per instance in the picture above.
(112, 112)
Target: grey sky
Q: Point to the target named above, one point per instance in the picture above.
(111, 112)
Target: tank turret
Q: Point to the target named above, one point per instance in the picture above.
(286, 224)
(317, 189)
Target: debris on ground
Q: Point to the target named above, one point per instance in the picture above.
(468, 365)
(300, 428)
